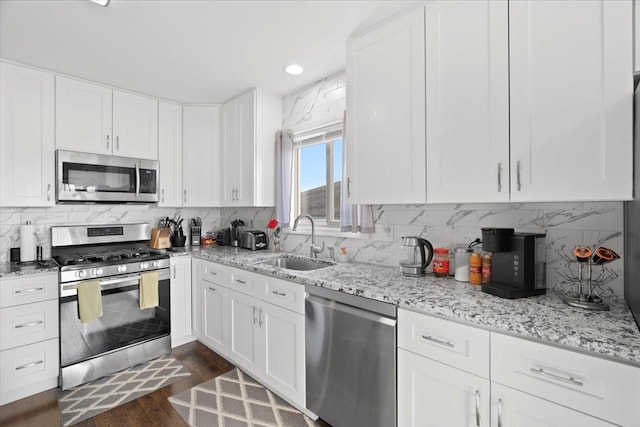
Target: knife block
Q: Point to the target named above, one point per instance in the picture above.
(160, 238)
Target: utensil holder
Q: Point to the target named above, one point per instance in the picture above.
(178, 241)
(584, 284)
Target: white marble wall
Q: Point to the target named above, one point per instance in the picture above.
(44, 218)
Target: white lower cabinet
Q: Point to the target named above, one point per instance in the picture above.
(511, 407)
(262, 338)
(181, 330)
(214, 316)
(29, 345)
(431, 394)
(242, 311)
(444, 380)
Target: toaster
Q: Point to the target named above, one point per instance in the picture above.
(253, 240)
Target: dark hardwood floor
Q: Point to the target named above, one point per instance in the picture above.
(152, 409)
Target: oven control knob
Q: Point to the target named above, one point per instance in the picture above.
(122, 268)
(155, 264)
(96, 271)
(144, 265)
(81, 273)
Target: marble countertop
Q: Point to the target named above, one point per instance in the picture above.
(8, 270)
(612, 334)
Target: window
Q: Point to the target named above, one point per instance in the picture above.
(317, 177)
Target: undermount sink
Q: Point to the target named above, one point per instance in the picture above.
(299, 264)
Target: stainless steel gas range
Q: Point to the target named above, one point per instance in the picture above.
(116, 256)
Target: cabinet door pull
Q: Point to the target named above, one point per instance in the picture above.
(518, 175)
(163, 195)
(212, 288)
(174, 272)
(254, 315)
(241, 281)
(569, 380)
(280, 294)
(29, 365)
(348, 187)
(26, 291)
(213, 273)
(117, 143)
(499, 412)
(437, 341)
(499, 177)
(260, 318)
(477, 408)
(48, 192)
(185, 196)
(107, 142)
(26, 325)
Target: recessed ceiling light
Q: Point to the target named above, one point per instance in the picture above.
(294, 69)
(101, 2)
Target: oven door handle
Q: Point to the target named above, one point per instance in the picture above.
(119, 282)
(137, 180)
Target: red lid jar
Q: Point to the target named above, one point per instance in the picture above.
(441, 262)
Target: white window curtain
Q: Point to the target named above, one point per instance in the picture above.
(354, 218)
(284, 178)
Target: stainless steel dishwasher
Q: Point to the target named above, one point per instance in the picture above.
(350, 358)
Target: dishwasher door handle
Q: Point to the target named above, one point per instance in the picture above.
(355, 311)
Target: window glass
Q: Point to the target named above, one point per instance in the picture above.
(313, 181)
(337, 178)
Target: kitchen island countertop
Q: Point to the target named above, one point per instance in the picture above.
(611, 334)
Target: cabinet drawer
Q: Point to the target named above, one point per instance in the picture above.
(598, 387)
(283, 294)
(28, 289)
(29, 364)
(213, 273)
(245, 282)
(454, 344)
(27, 324)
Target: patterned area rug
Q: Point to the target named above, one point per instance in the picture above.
(88, 400)
(236, 400)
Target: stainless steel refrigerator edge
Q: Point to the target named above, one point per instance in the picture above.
(632, 222)
(350, 359)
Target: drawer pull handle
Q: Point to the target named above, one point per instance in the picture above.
(26, 325)
(569, 380)
(477, 408)
(437, 341)
(26, 291)
(280, 294)
(254, 314)
(241, 281)
(29, 365)
(213, 273)
(499, 412)
(213, 289)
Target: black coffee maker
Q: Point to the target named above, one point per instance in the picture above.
(518, 263)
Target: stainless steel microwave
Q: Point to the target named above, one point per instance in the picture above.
(85, 177)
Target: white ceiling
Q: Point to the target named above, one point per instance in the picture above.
(189, 51)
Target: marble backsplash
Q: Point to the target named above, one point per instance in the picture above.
(565, 224)
(44, 218)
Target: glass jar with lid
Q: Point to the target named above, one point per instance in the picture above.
(441, 262)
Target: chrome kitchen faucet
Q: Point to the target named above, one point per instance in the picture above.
(314, 250)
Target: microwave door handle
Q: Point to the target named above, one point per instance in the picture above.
(137, 180)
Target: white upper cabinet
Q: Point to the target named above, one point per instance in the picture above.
(571, 94)
(96, 119)
(385, 124)
(135, 126)
(83, 117)
(170, 154)
(248, 129)
(200, 156)
(26, 137)
(467, 101)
